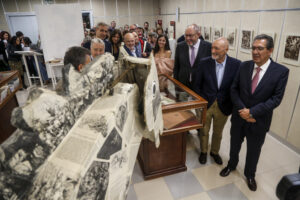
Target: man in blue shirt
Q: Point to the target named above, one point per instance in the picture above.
(212, 81)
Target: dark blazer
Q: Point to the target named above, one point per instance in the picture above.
(182, 67)
(206, 85)
(129, 52)
(266, 97)
(107, 45)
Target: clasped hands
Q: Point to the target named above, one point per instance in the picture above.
(245, 114)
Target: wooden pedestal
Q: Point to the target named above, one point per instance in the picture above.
(168, 159)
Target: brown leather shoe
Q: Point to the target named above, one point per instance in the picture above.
(251, 184)
(217, 158)
(225, 172)
(203, 158)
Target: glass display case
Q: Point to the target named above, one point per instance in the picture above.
(183, 110)
(10, 83)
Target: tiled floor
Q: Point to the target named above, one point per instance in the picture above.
(202, 182)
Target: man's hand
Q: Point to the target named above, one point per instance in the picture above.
(251, 120)
(144, 55)
(244, 113)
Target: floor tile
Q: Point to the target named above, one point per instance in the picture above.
(227, 192)
(137, 175)
(192, 161)
(155, 189)
(201, 196)
(183, 184)
(209, 177)
(131, 194)
(262, 192)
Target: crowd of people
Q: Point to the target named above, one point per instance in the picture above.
(11, 60)
(249, 91)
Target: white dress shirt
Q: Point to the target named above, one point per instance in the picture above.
(263, 70)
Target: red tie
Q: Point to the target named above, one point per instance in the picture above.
(255, 79)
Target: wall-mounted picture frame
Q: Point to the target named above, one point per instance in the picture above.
(231, 35)
(217, 33)
(292, 50)
(206, 33)
(246, 40)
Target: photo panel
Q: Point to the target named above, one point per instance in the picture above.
(246, 40)
(291, 49)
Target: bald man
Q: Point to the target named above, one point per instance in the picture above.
(212, 81)
(129, 45)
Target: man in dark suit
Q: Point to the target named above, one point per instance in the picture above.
(256, 91)
(212, 81)
(102, 33)
(188, 55)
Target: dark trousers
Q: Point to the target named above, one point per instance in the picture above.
(255, 140)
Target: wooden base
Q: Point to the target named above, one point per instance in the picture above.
(168, 159)
(5, 112)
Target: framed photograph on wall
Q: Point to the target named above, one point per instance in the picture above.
(206, 33)
(231, 37)
(291, 50)
(246, 39)
(217, 33)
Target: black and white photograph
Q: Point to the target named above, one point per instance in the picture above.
(20, 157)
(52, 183)
(231, 37)
(217, 33)
(292, 49)
(94, 184)
(112, 145)
(206, 33)
(156, 99)
(97, 123)
(121, 117)
(246, 41)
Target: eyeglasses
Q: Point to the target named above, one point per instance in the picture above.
(258, 48)
(189, 35)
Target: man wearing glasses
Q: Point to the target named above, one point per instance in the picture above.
(256, 91)
(101, 33)
(188, 55)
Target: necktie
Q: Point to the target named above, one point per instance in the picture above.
(255, 79)
(192, 56)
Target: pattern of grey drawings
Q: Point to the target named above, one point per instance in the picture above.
(112, 144)
(52, 184)
(94, 183)
(292, 47)
(95, 123)
(20, 156)
(246, 39)
(156, 99)
(119, 160)
(121, 116)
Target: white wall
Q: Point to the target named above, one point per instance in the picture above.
(273, 16)
(122, 11)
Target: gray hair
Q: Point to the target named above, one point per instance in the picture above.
(101, 24)
(97, 41)
(195, 27)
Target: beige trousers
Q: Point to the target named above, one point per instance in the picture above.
(219, 120)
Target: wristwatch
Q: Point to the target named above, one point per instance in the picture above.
(250, 115)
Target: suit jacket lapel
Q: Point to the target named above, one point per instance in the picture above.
(212, 69)
(200, 51)
(227, 70)
(249, 78)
